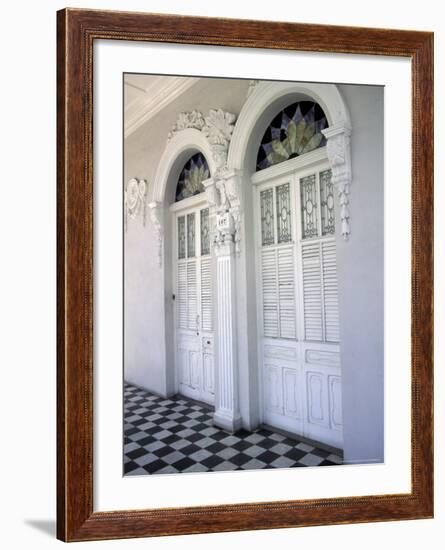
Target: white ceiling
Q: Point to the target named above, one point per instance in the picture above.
(146, 95)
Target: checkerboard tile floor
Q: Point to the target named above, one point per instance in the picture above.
(163, 436)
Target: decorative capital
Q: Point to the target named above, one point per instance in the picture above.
(135, 200)
(339, 155)
(224, 196)
(218, 129)
(157, 220)
(212, 193)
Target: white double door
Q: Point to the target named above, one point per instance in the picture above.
(298, 302)
(194, 337)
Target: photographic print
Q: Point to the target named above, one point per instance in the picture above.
(245, 279)
(253, 274)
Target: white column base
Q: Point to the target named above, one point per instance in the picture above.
(227, 421)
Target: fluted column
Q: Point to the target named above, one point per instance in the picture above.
(227, 415)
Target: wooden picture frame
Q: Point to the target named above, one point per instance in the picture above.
(77, 31)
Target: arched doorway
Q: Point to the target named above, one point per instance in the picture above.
(192, 283)
(290, 228)
(297, 283)
(187, 264)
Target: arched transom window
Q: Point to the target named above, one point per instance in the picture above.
(195, 171)
(294, 131)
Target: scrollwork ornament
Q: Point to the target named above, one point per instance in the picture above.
(135, 200)
(339, 155)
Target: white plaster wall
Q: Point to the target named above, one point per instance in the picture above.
(148, 353)
(144, 348)
(360, 277)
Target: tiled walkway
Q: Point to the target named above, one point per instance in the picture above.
(175, 435)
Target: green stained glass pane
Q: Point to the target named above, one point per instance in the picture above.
(195, 171)
(191, 235)
(327, 203)
(181, 237)
(283, 213)
(267, 217)
(309, 209)
(205, 232)
(295, 130)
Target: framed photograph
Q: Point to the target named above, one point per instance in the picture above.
(245, 230)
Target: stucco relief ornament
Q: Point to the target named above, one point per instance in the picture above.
(135, 200)
(252, 85)
(190, 119)
(339, 154)
(156, 218)
(230, 205)
(219, 127)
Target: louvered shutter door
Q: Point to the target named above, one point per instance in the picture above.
(192, 304)
(330, 292)
(320, 291)
(312, 291)
(270, 293)
(182, 294)
(286, 292)
(206, 294)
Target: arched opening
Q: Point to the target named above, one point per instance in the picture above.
(192, 283)
(190, 181)
(294, 131)
(291, 368)
(187, 265)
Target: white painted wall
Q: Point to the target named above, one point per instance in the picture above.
(360, 278)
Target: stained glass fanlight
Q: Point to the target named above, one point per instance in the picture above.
(294, 131)
(195, 171)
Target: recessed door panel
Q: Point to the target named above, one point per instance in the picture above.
(184, 366)
(291, 390)
(274, 397)
(208, 371)
(334, 383)
(316, 398)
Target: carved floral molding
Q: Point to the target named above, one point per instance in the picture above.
(191, 119)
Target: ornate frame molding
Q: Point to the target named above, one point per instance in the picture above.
(76, 517)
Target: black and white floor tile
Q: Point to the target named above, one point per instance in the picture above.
(163, 436)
